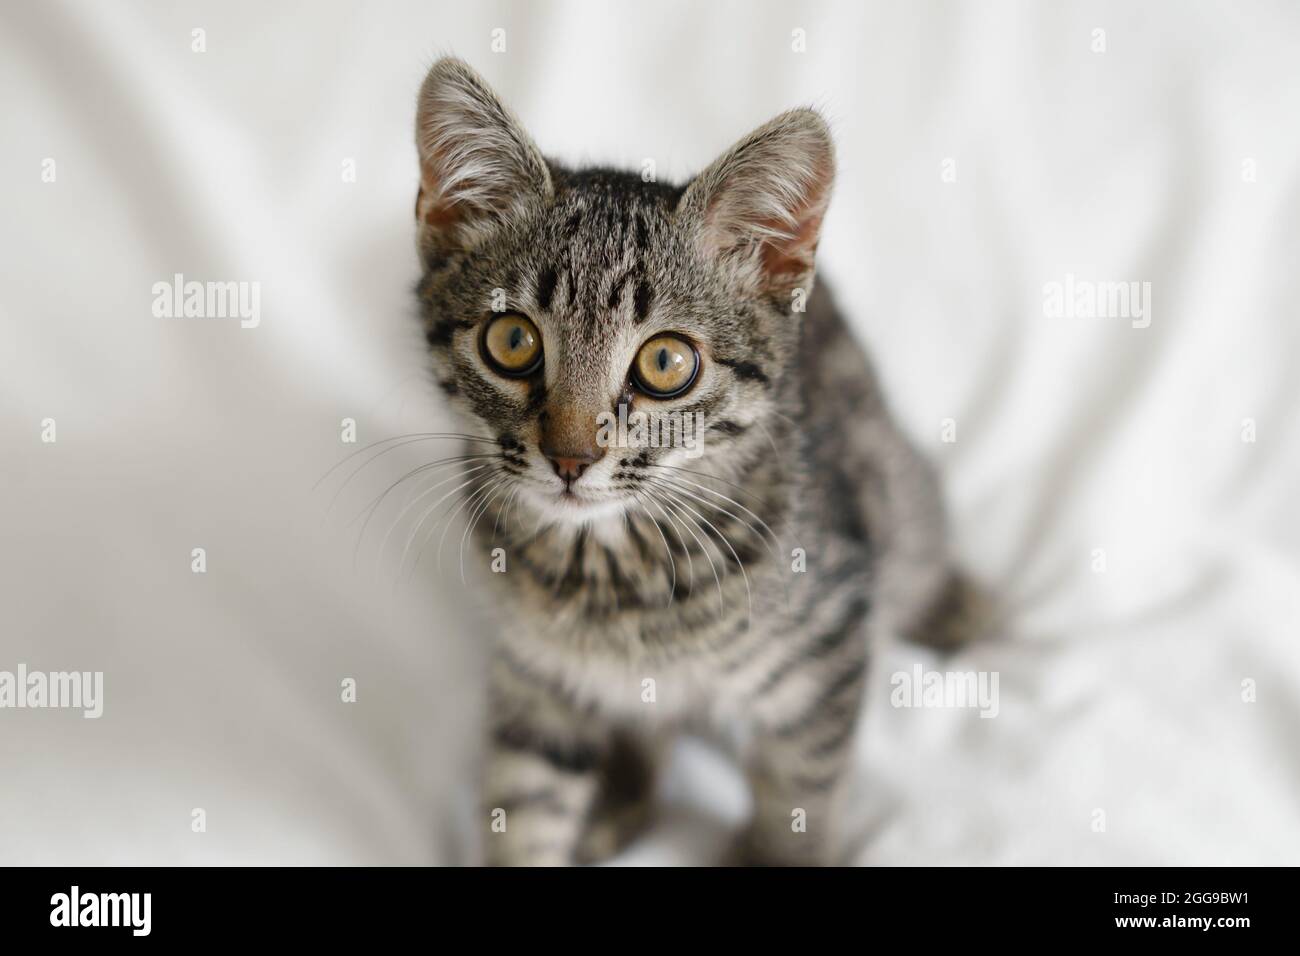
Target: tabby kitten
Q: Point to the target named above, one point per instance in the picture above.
(650, 589)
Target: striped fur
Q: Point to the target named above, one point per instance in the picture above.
(675, 574)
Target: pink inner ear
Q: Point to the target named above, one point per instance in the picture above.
(434, 208)
(431, 207)
(439, 216)
(794, 254)
(784, 245)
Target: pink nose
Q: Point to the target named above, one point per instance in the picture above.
(571, 466)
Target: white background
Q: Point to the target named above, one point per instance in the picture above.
(1120, 691)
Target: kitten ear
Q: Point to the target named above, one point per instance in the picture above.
(759, 207)
(477, 164)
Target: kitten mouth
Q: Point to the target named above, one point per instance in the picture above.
(577, 504)
(571, 497)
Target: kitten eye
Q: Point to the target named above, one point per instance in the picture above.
(512, 345)
(666, 366)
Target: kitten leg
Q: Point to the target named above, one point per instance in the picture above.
(798, 765)
(625, 805)
(538, 793)
(542, 773)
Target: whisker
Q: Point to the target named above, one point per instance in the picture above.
(424, 517)
(680, 484)
(447, 525)
(672, 562)
(469, 528)
(514, 501)
(374, 503)
(767, 546)
(704, 474)
(672, 524)
(471, 470)
(496, 525)
(727, 541)
(415, 436)
(399, 441)
(669, 502)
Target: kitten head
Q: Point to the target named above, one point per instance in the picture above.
(592, 321)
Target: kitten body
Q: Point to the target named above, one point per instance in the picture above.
(647, 592)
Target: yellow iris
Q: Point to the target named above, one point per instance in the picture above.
(665, 366)
(513, 343)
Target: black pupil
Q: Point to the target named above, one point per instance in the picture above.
(664, 360)
(516, 337)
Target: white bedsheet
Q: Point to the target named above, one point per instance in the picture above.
(1121, 691)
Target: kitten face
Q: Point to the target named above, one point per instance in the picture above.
(600, 274)
(556, 301)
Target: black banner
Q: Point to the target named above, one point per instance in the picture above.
(370, 905)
